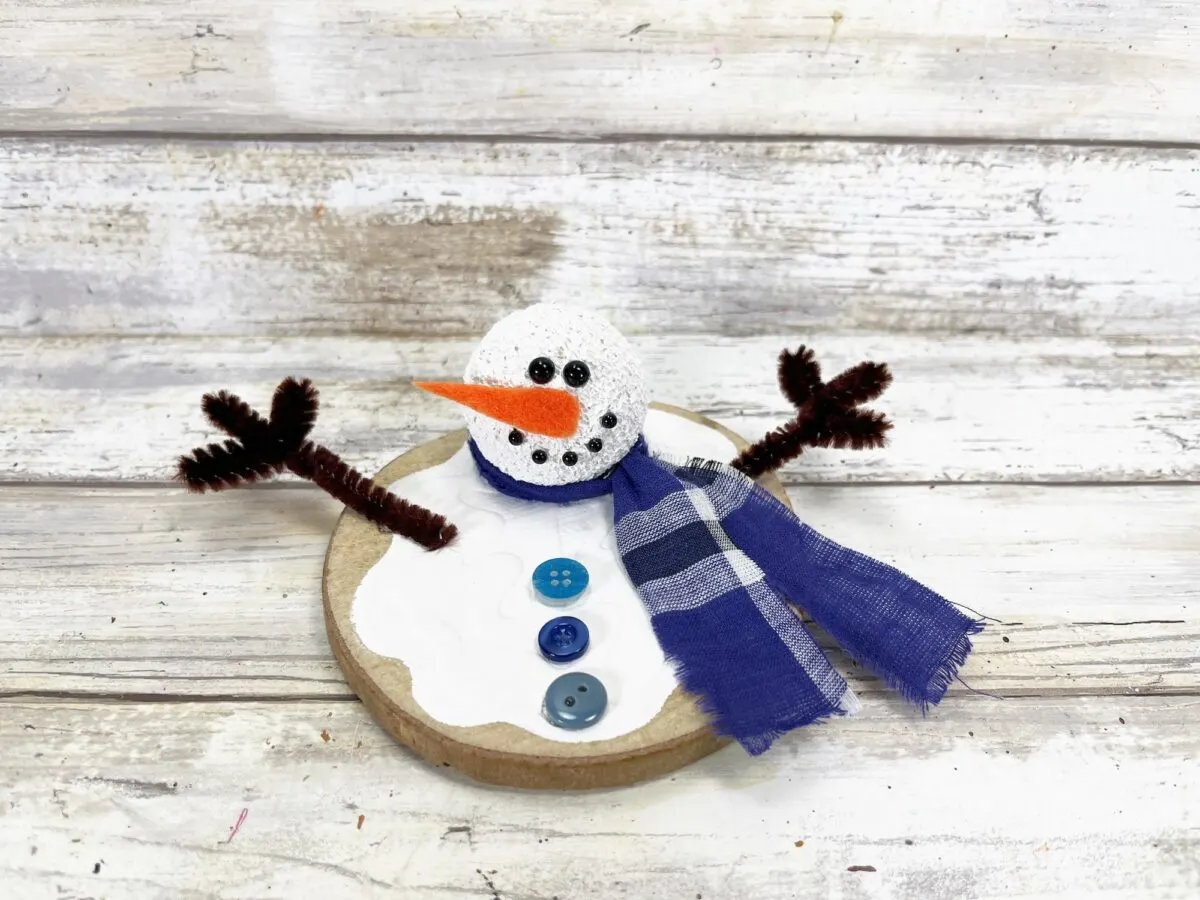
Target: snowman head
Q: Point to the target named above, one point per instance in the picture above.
(554, 395)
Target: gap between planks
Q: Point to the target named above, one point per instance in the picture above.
(287, 483)
(881, 695)
(616, 138)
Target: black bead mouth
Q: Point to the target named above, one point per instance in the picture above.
(542, 456)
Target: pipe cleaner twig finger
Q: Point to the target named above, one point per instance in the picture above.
(259, 449)
(826, 413)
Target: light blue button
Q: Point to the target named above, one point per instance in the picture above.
(575, 701)
(560, 581)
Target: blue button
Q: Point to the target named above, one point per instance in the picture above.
(574, 701)
(559, 581)
(563, 639)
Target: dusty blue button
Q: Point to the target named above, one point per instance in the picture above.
(560, 580)
(563, 639)
(574, 701)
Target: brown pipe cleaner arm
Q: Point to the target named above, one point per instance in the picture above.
(260, 448)
(827, 414)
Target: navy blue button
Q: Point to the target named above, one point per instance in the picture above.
(560, 580)
(574, 701)
(563, 639)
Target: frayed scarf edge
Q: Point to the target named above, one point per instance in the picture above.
(934, 690)
(757, 744)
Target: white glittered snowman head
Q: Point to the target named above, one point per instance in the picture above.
(554, 395)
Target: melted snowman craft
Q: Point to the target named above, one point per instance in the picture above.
(584, 590)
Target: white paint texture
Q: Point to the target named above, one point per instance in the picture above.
(1121, 69)
(437, 240)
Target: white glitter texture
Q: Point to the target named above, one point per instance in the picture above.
(616, 385)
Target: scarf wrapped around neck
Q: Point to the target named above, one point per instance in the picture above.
(718, 562)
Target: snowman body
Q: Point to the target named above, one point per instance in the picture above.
(464, 620)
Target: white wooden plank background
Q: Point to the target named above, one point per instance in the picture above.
(1083, 69)
(939, 808)
(163, 666)
(988, 277)
(437, 240)
(966, 408)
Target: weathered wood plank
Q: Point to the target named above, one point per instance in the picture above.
(139, 801)
(153, 592)
(966, 408)
(1123, 69)
(437, 240)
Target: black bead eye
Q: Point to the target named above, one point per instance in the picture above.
(570, 458)
(576, 373)
(608, 420)
(595, 445)
(540, 456)
(541, 370)
(516, 438)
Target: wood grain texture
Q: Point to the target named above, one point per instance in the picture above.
(1028, 798)
(1042, 326)
(154, 593)
(968, 408)
(164, 668)
(734, 239)
(1121, 69)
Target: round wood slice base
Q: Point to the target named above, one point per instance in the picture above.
(497, 753)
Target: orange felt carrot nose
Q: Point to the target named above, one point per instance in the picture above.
(539, 410)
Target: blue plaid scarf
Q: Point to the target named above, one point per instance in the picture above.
(718, 561)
